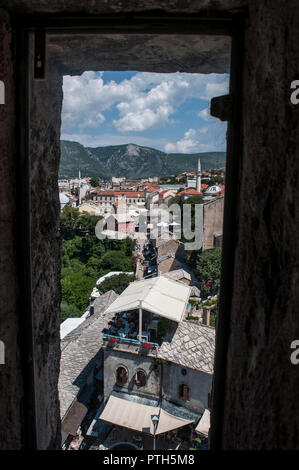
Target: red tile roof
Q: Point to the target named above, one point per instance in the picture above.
(120, 193)
(164, 192)
(151, 190)
(188, 191)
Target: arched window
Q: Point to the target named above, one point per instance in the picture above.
(184, 372)
(184, 392)
(121, 375)
(140, 378)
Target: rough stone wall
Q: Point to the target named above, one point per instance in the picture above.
(11, 388)
(117, 6)
(262, 384)
(213, 221)
(114, 359)
(199, 384)
(144, 52)
(46, 102)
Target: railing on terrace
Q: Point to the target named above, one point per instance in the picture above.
(120, 339)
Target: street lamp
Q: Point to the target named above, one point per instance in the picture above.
(155, 420)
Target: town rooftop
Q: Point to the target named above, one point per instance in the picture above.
(158, 295)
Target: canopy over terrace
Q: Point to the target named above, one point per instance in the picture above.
(203, 425)
(158, 295)
(138, 417)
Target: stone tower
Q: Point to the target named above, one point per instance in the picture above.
(198, 177)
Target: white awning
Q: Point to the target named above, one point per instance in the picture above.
(203, 426)
(159, 295)
(137, 416)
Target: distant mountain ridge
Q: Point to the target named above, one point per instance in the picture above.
(131, 161)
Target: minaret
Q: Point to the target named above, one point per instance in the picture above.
(198, 177)
(79, 187)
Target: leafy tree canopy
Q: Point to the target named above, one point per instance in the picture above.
(94, 182)
(72, 221)
(69, 310)
(118, 283)
(85, 258)
(116, 261)
(76, 288)
(207, 266)
(194, 200)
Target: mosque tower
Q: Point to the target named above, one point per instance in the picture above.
(198, 177)
(79, 188)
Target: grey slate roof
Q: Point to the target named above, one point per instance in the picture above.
(79, 350)
(178, 274)
(164, 257)
(161, 241)
(192, 345)
(183, 272)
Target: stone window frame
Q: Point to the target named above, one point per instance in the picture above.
(184, 392)
(135, 377)
(226, 23)
(121, 383)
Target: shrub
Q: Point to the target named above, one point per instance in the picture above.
(118, 283)
(164, 326)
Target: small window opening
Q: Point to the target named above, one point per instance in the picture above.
(140, 378)
(121, 375)
(184, 392)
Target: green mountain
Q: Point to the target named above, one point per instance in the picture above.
(131, 161)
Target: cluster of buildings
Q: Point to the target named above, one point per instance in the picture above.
(138, 367)
(129, 206)
(137, 355)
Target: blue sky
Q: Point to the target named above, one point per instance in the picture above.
(169, 112)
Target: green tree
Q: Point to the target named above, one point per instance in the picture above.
(127, 246)
(93, 267)
(216, 179)
(116, 261)
(91, 246)
(207, 267)
(175, 200)
(87, 221)
(71, 220)
(76, 289)
(69, 311)
(68, 221)
(118, 283)
(94, 182)
(85, 258)
(194, 200)
(72, 248)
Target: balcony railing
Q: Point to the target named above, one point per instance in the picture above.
(116, 339)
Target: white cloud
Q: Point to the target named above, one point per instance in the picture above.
(145, 101)
(187, 144)
(205, 115)
(211, 138)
